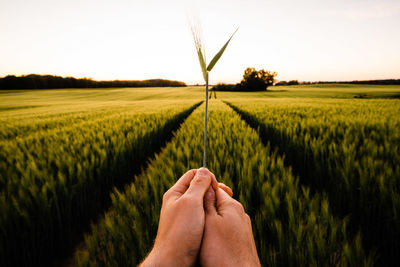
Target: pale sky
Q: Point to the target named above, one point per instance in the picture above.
(129, 39)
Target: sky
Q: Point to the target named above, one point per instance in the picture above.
(307, 40)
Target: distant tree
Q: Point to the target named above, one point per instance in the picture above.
(292, 82)
(225, 87)
(281, 83)
(254, 80)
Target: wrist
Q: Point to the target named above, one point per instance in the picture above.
(166, 256)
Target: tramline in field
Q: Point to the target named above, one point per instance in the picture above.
(318, 173)
(347, 148)
(291, 228)
(56, 173)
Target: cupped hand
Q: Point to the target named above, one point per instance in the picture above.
(182, 218)
(228, 237)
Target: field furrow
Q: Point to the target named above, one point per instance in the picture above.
(52, 182)
(346, 148)
(291, 227)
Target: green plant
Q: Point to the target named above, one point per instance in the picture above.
(291, 227)
(196, 31)
(57, 169)
(347, 148)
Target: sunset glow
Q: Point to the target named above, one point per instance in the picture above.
(106, 40)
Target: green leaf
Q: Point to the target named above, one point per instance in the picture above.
(202, 63)
(219, 54)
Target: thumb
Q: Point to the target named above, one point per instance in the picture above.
(200, 184)
(210, 201)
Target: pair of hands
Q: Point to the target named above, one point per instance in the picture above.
(201, 221)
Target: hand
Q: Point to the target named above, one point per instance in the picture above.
(228, 237)
(181, 226)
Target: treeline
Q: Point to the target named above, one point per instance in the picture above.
(374, 82)
(227, 87)
(240, 87)
(292, 82)
(34, 81)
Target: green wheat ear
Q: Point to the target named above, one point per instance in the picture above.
(198, 42)
(196, 31)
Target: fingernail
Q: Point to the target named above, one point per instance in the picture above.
(202, 171)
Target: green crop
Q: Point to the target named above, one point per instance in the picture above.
(57, 169)
(346, 148)
(316, 169)
(291, 228)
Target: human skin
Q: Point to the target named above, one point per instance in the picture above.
(182, 218)
(228, 237)
(195, 220)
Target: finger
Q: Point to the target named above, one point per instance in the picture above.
(222, 198)
(210, 201)
(226, 204)
(226, 188)
(199, 184)
(180, 187)
(214, 182)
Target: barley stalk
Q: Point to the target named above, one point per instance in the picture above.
(198, 42)
(205, 126)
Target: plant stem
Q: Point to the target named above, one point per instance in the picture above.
(205, 126)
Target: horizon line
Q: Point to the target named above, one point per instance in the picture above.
(201, 84)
